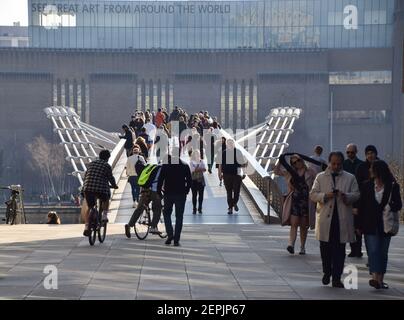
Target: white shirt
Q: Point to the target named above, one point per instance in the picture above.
(194, 164)
(151, 130)
(131, 162)
(379, 195)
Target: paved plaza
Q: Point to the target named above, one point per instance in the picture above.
(214, 262)
(221, 257)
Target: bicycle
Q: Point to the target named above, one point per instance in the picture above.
(142, 226)
(11, 205)
(96, 225)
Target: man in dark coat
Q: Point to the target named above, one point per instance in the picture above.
(351, 164)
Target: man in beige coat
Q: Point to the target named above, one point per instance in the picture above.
(335, 191)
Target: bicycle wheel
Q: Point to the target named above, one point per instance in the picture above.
(93, 226)
(102, 231)
(142, 225)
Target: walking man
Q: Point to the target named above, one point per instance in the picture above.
(175, 179)
(350, 165)
(335, 191)
(230, 170)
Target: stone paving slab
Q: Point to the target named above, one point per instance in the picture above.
(214, 262)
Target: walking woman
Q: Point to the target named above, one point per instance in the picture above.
(141, 142)
(379, 193)
(198, 168)
(298, 209)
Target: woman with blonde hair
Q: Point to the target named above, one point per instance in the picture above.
(198, 167)
(298, 209)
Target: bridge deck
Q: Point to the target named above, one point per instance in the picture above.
(214, 205)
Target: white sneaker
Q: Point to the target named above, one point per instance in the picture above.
(134, 204)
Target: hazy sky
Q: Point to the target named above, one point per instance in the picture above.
(12, 11)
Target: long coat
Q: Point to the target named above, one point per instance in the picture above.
(345, 183)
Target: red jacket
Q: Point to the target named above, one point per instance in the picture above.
(159, 119)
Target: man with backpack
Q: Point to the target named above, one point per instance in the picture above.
(134, 167)
(148, 181)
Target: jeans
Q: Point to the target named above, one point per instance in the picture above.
(197, 194)
(377, 247)
(135, 187)
(232, 183)
(145, 197)
(169, 202)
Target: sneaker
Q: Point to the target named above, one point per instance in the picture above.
(194, 211)
(177, 244)
(230, 211)
(127, 231)
(236, 208)
(291, 250)
(104, 217)
(168, 241)
(326, 279)
(210, 171)
(385, 285)
(200, 211)
(134, 205)
(302, 251)
(154, 230)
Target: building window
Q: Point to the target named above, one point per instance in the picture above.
(360, 77)
(361, 116)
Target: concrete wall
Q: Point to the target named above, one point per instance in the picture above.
(28, 78)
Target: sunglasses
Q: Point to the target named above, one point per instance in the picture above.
(294, 162)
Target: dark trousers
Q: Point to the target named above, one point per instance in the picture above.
(169, 202)
(197, 194)
(135, 187)
(232, 183)
(146, 197)
(356, 247)
(333, 251)
(333, 258)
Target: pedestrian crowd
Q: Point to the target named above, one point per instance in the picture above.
(344, 200)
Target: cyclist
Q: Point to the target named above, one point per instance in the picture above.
(96, 185)
(148, 195)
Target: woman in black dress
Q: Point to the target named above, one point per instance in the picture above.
(300, 179)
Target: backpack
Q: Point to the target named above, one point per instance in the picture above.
(147, 176)
(139, 166)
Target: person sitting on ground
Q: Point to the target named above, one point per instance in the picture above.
(53, 218)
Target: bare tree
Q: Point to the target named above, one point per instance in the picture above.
(49, 159)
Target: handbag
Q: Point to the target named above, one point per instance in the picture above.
(391, 221)
(286, 209)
